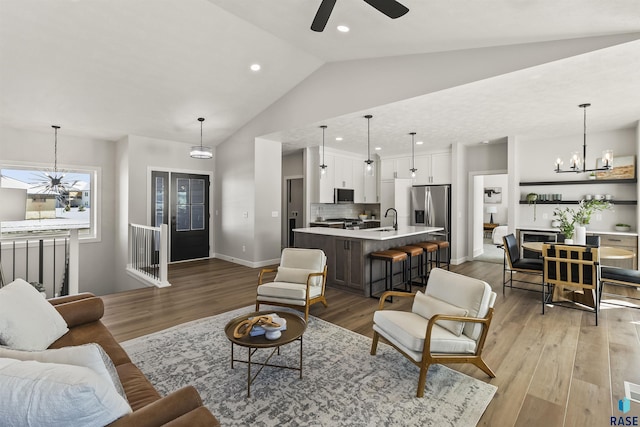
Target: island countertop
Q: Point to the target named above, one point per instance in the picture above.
(381, 233)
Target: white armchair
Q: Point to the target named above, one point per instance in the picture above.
(300, 280)
(447, 324)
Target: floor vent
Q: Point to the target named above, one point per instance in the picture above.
(632, 391)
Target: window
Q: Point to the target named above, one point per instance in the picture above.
(37, 200)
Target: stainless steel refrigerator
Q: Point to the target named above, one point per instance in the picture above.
(431, 206)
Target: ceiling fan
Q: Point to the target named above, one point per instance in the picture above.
(391, 8)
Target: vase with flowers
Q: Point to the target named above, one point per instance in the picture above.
(572, 223)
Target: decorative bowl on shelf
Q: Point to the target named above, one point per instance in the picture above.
(623, 227)
(362, 217)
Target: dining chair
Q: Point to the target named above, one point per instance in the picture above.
(514, 264)
(573, 271)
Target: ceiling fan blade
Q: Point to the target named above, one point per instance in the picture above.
(322, 15)
(391, 8)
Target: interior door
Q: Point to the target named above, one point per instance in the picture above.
(189, 216)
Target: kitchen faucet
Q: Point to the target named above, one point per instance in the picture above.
(395, 217)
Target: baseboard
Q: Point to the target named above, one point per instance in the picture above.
(247, 263)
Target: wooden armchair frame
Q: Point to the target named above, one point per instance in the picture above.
(309, 301)
(566, 268)
(427, 357)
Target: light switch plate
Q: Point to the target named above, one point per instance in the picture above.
(274, 214)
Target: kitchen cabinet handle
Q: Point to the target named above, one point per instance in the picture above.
(615, 240)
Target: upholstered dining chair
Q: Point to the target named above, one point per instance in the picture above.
(448, 323)
(299, 282)
(513, 263)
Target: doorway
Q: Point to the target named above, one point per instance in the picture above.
(295, 205)
(490, 209)
(181, 200)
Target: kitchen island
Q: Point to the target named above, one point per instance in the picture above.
(348, 251)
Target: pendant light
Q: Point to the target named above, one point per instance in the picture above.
(413, 169)
(369, 168)
(200, 151)
(323, 166)
(576, 160)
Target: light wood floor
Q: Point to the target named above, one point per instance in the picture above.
(553, 370)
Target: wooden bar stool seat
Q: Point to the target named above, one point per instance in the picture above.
(389, 257)
(413, 251)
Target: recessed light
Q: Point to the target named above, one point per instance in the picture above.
(378, 148)
(484, 142)
(343, 28)
(255, 67)
(338, 138)
(419, 142)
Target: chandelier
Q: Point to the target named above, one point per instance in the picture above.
(52, 182)
(578, 164)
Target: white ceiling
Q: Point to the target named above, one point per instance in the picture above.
(110, 68)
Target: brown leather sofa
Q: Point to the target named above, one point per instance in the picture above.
(181, 408)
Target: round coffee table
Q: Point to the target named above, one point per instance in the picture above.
(295, 328)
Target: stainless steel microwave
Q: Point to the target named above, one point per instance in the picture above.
(342, 195)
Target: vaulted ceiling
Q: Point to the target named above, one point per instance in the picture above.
(112, 68)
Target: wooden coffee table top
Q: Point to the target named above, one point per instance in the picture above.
(295, 328)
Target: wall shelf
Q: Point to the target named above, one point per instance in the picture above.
(575, 202)
(580, 182)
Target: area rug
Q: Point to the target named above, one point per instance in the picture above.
(342, 383)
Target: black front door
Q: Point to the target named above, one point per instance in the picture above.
(189, 216)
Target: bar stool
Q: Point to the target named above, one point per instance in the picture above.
(429, 248)
(413, 251)
(443, 244)
(389, 257)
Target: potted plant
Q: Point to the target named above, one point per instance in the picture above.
(531, 199)
(567, 223)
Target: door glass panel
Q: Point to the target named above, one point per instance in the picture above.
(183, 191)
(197, 217)
(159, 201)
(197, 191)
(183, 218)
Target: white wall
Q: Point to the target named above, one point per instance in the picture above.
(268, 195)
(97, 259)
(536, 163)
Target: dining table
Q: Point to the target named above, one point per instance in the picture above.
(587, 298)
(606, 252)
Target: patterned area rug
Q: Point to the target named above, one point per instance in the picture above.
(342, 383)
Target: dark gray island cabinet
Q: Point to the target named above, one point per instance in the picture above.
(348, 252)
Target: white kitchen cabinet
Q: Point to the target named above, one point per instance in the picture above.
(441, 168)
(343, 177)
(387, 169)
(370, 188)
(402, 166)
(433, 169)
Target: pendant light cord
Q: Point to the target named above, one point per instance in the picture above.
(55, 149)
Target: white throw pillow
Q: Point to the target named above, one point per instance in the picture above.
(428, 306)
(51, 394)
(90, 356)
(297, 275)
(28, 321)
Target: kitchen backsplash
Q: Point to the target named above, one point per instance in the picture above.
(347, 210)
